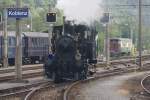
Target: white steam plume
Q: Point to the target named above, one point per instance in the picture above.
(81, 10)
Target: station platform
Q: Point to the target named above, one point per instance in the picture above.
(10, 85)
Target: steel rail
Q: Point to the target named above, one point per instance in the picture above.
(34, 90)
(143, 86)
(22, 89)
(103, 75)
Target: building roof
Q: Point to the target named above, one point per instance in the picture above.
(28, 34)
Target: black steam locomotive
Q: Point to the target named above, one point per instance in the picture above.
(73, 50)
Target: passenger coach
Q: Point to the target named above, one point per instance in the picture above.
(121, 46)
(35, 46)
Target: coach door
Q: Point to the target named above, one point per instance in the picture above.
(25, 46)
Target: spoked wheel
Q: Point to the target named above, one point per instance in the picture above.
(77, 76)
(84, 75)
(80, 75)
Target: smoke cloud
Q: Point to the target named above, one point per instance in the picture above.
(81, 10)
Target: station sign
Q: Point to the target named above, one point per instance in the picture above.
(17, 12)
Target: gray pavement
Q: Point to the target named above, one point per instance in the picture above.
(13, 84)
(106, 89)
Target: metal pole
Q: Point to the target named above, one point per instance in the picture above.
(131, 34)
(63, 31)
(50, 34)
(140, 35)
(50, 30)
(5, 59)
(107, 47)
(31, 22)
(18, 58)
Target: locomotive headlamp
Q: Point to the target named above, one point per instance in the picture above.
(78, 55)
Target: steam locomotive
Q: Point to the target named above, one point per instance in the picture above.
(72, 52)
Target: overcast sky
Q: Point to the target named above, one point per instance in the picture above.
(81, 10)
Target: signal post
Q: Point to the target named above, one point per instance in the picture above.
(107, 47)
(5, 49)
(140, 35)
(18, 57)
(105, 21)
(51, 18)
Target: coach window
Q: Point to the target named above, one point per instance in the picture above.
(23, 42)
(29, 41)
(40, 41)
(47, 41)
(0, 40)
(44, 41)
(36, 42)
(32, 39)
(9, 41)
(13, 41)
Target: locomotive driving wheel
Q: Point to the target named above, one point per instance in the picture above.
(77, 76)
(56, 77)
(80, 75)
(53, 76)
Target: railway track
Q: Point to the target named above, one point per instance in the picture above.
(117, 71)
(145, 56)
(145, 84)
(48, 92)
(127, 61)
(60, 89)
(28, 71)
(29, 91)
(31, 71)
(145, 93)
(63, 90)
(68, 95)
(19, 93)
